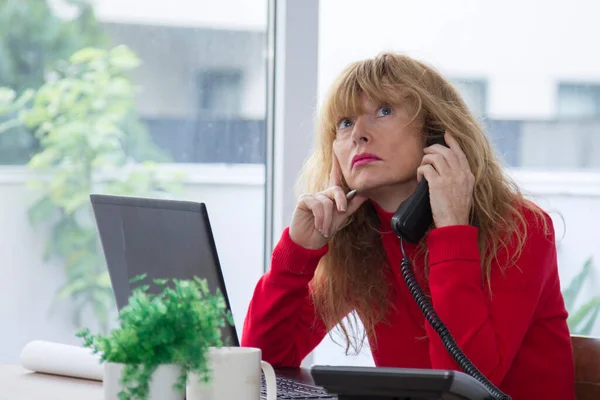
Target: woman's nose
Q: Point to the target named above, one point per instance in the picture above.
(361, 131)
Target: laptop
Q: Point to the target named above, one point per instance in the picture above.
(173, 239)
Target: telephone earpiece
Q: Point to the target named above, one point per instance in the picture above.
(412, 219)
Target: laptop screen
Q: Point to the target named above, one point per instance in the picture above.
(160, 238)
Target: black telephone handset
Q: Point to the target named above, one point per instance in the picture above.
(410, 222)
(413, 217)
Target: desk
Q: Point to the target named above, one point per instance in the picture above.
(17, 383)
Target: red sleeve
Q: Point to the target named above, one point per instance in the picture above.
(489, 330)
(281, 318)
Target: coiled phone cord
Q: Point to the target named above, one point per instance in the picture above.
(441, 329)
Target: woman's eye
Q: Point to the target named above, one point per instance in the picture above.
(385, 110)
(344, 123)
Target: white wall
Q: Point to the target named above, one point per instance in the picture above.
(235, 200)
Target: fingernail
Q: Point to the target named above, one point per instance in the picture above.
(350, 195)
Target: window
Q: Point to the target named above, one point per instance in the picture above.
(574, 132)
(165, 100)
(578, 101)
(521, 76)
(220, 92)
(474, 93)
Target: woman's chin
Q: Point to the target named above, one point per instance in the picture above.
(374, 185)
(370, 176)
(365, 187)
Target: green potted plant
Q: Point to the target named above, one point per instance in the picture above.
(162, 338)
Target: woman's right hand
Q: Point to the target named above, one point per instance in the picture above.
(318, 216)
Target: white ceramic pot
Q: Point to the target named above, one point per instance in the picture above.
(235, 375)
(161, 383)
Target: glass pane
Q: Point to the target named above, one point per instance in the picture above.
(474, 93)
(578, 101)
(531, 79)
(146, 99)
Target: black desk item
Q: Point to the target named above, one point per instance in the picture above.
(371, 383)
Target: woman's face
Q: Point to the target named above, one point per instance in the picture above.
(379, 148)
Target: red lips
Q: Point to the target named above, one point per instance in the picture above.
(363, 159)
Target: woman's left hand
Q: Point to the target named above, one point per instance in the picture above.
(450, 182)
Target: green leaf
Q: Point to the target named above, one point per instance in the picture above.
(25, 98)
(48, 99)
(83, 263)
(587, 328)
(120, 87)
(76, 202)
(71, 288)
(138, 278)
(585, 312)
(41, 210)
(36, 184)
(70, 241)
(123, 58)
(104, 281)
(571, 292)
(7, 96)
(87, 55)
(34, 117)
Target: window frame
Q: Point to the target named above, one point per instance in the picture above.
(565, 86)
(291, 104)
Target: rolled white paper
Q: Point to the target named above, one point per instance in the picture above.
(62, 359)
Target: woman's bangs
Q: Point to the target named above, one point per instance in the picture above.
(364, 79)
(346, 100)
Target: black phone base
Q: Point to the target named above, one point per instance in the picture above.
(385, 383)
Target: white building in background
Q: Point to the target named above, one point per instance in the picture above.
(527, 68)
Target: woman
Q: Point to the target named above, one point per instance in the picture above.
(488, 263)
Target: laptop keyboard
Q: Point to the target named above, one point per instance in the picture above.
(288, 389)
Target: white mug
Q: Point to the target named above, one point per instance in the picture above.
(234, 375)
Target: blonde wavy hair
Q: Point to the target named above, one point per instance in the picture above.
(350, 281)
